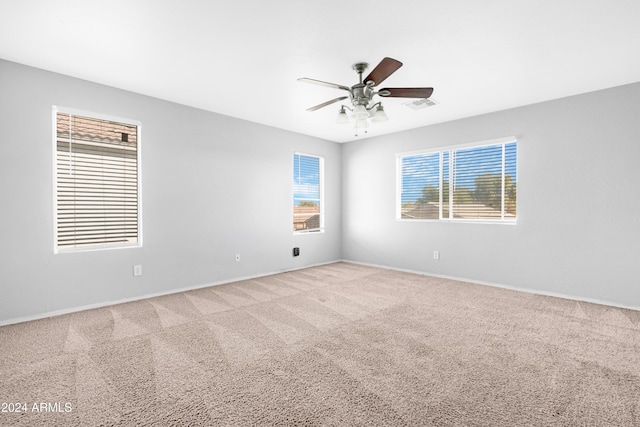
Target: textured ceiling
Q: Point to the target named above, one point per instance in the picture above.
(243, 58)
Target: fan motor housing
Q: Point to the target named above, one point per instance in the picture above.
(361, 94)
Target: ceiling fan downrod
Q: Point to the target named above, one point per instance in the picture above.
(361, 93)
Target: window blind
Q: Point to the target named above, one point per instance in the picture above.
(471, 183)
(476, 174)
(96, 182)
(420, 193)
(307, 203)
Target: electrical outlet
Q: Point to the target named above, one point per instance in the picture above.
(237, 257)
(436, 255)
(296, 251)
(137, 270)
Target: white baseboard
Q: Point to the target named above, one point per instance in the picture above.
(497, 285)
(239, 279)
(152, 295)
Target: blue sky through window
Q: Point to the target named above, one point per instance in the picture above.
(306, 179)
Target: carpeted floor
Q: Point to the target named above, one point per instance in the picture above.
(340, 344)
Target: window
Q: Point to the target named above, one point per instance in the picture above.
(307, 193)
(476, 182)
(96, 181)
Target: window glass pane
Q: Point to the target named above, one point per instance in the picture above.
(420, 194)
(445, 185)
(471, 183)
(477, 182)
(510, 180)
(306, 193)
(96, 182)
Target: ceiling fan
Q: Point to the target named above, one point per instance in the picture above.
(361, 94)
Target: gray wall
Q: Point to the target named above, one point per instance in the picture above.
(578, 229)
(212, 186)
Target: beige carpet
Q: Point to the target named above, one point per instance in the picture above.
(340, 344)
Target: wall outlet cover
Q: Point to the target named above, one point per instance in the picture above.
(137, 270)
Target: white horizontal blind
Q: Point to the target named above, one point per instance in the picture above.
(96, 182)
(420, 187)
(510, 179)
(307, 203)
(476, 174)
(470, 183)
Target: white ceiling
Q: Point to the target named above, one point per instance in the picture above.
(242, 58)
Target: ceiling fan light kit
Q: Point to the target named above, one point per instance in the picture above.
(360, 112)
(361, 94)
(342, 118)
(379, 115)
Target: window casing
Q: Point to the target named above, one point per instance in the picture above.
(474, 182)
(97, 181)
(308, 193)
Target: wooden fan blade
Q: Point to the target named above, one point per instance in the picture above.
(384, 69)
(324, 104)
(406, 92)
(320, 82)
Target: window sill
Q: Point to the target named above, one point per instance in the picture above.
(461, 221)
(296, 233)
(95, 248)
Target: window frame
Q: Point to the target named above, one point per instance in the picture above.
(321, 227)
(450, 149)
(99, 116)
